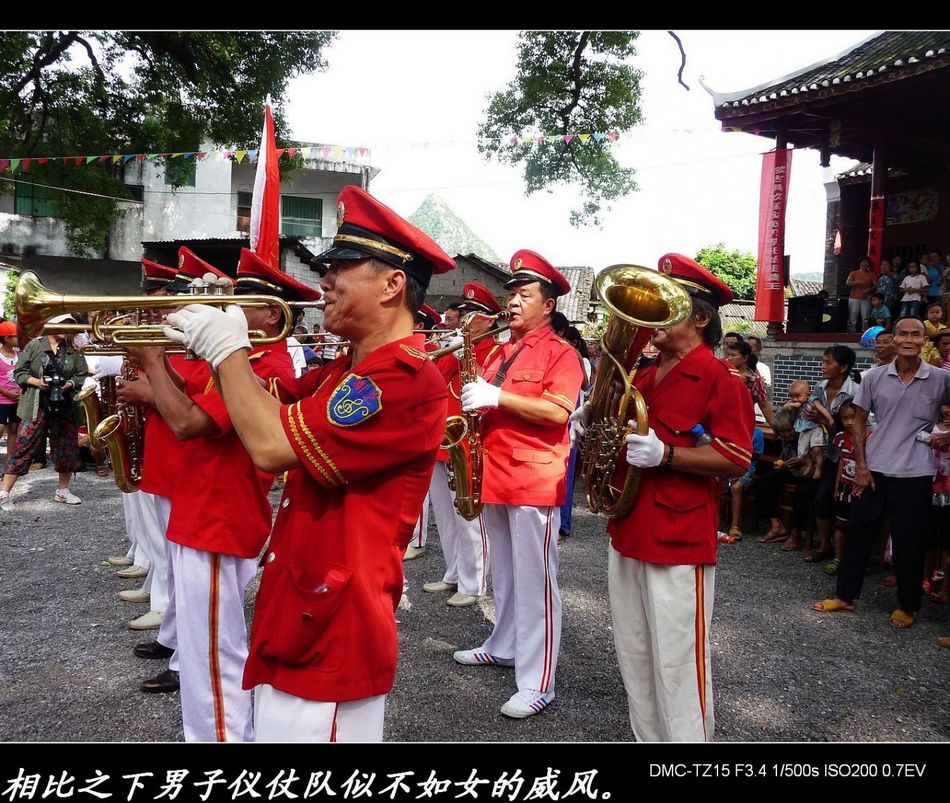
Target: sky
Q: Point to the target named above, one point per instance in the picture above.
(416, 99)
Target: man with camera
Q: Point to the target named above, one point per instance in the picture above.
(49, 371)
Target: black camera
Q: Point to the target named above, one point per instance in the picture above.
(56, 395)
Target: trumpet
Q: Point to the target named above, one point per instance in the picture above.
(35, 305)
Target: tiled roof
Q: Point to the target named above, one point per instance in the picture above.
(741, 312)
(576, 303)
(887, 55)
(805, 287)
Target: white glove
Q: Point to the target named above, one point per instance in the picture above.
(580, 420)
(211, 333)
(455, 342)
(478, 394)
(108, 366)
(644, 451)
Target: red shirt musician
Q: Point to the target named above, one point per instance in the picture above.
(528, 392)
(220, 514)
(464, 543)
(360, 443)
(662, 561)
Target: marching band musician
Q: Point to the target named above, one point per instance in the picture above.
(528, 391)
(220, 516)
(160, 468)
(426, 319)
(661, 569)
(361, 442)
(464, 543)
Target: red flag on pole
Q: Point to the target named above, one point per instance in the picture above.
(265, 202)
(773, 197)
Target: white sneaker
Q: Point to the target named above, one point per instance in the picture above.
(414, 552)
(65, 495)
(6, 502)
(147, 621)
(527, 703)
(435, 586)
(480, 658)
(461, 600)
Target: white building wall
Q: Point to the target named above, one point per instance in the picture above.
(189, 213)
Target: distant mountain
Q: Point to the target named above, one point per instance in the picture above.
(809, 276)
(445, 227)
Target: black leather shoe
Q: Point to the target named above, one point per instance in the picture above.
(161, 683)
(152, 649)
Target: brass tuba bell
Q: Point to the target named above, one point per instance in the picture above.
(640, 300)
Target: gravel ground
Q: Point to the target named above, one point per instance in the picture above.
(781, 672)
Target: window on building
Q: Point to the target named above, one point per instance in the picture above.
(244, 211)
(301, 217)
(35, 201)
(179, 173)
(136, 191)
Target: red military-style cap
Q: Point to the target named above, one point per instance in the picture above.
(530, 266)
(367, 228)
(478, 298)
(428, 317)
(696, 280)
(190, 267)
(254, 275)
(155, 276)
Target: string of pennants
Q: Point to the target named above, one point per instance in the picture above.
(333, 153)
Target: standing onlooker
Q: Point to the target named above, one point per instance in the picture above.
(941, 507)
(844, 479)
(834, 390)
(898, 269)
(9, 390)
(755, 343)
(861, 282)
(729, 339)
(934, 274)
(48, 370)
(573, 336)
(295, 347)
(887, 284)
(894, 474)
(740, 356)
(884, 350)
(914, 286)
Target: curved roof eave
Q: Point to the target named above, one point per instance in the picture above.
(720, 98)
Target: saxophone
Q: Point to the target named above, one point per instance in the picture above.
(461, 438)
(122, 433)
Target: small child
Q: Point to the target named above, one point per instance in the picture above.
(932, 325)
(799, 400)
(844, 480)
(738, 485)
(879, 315)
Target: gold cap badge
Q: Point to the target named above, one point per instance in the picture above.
(667, 267)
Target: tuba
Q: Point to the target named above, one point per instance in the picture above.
(461, 438)
(639, 300)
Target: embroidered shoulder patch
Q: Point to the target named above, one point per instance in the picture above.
(355, 399)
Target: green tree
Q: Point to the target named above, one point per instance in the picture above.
(68, 93)
(567, 82)
(735, 268)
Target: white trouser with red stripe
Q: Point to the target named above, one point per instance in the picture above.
(212, 643)
(464, 543)
(524, 564)
(661, 616)
(153, 513)
(420, 531)
(133, 527)
(281, 717)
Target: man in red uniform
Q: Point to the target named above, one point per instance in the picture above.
(528, 392)
(426, 320)
(464, 543)
(361, 443)
(160, 468)
(662, 559)
(220, 517)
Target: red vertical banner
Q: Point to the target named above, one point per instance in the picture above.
(773, 198)
(876, 231)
